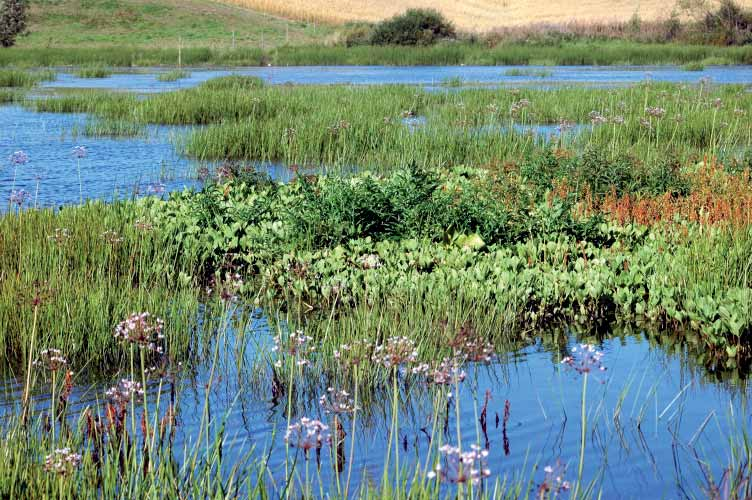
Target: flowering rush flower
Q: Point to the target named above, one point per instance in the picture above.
(61, 235)
(62, 461)
(461, 467)
(298, 346)
(337, 402)
(143, 330)
(448, 372)
(156, 188)
(554, 481)
(19, 158)
(655, 112)
(52, 359)
(19, 196)
(348, 355)
(307, 434)
(112, 237)
(395, 352)
(125, 391)
(227, 289)
(585, 359)
(79, 152)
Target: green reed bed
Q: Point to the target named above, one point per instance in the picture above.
(381, 127)
(575, 53)
(20, 78)
(70, 276)
(8, 96)
(598, 53)
(95, 71)
(173, 75)
(113, 128)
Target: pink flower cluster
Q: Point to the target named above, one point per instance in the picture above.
(307, 434)
(298, 346)
(461, 467)
(143, 330)
(52, 359)
(62, 461)
(585, 359)
(125, 392)
(395, 352)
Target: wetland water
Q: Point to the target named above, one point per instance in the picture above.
(653, 415)
(145, 81)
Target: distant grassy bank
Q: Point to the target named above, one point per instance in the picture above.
(457, 53)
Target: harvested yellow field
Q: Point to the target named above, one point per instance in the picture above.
(471, 15)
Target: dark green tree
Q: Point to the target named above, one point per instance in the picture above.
(12, 21)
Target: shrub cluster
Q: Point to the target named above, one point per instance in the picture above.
(414, 27)
(12, 21)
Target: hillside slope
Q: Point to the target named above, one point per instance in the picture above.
(159, 23)
(473, 15)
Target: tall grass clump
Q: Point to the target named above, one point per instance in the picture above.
(111, 252)
(113, 128)
(20, 78)
(95, 71)
(173, 75)
(233, 82)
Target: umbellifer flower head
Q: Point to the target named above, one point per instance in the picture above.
(19, 196)
(62, 461)
(143, 330)
(124, 392)
(79, 152)
(395, 352)
(585, 359)
(297, 345)
(307, 434)
(52, 359)
(19, 158)
(554, 482)
(337, 402)
(461, 467)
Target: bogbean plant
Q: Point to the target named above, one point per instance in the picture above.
(476, 238)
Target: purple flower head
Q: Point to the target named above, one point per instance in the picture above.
(79, 152)
(307, 434)
(585, 359)
(19, 196)
(125, 392)
(19, 158)
(461, 467)
(297, 346)
(62, 462)
(337, 402)
(52, 359)
(554, 483)
(156, 188)
(142, 329)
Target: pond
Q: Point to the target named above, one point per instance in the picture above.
(145, 81)
(657, 422)
(652, 415)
